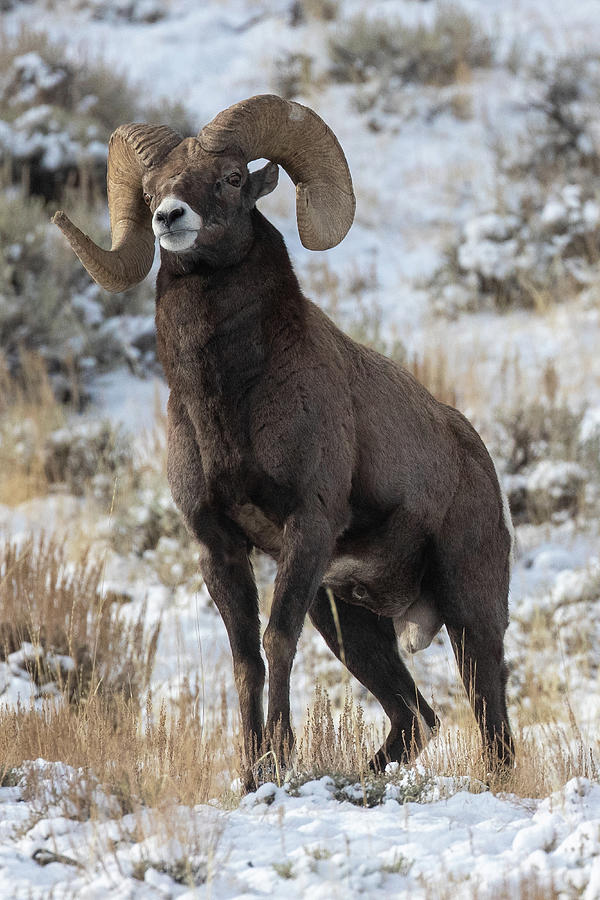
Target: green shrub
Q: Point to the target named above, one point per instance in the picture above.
(34, 307)
(47, 303)
(433, 54)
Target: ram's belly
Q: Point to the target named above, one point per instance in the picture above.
(384, 586)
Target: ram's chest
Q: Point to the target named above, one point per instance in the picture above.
(215, 373)
(208, 340)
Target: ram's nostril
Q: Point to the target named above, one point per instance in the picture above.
(167, 217)
(174, 214)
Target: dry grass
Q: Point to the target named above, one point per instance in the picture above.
(28, 414)
(75, 639)
(165, 757)
(547, 756)
(145, 756)
(324, 748)
(71, 640)
(550, 751)
(80, 644)
(432, 369)
(35, 456)
(153, 760)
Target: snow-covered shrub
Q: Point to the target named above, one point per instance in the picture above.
(150, 515)
(189, 871)
(536, 431)
(293, 75)
(56, 115)
(401, 784)
(321, 10)
(541, 252)
(546, 460)
(126, 338)
(434, 53)
(563, 133)
(540, 242)
(554, 487)
(86, 456)
(143, 11)
(48, 305)
(33, 311)
(42, 451)
(553, 643)
(145, 522)
(175, 562)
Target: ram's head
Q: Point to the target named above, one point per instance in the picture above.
(195, 194)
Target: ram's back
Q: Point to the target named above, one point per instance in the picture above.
(411, 449)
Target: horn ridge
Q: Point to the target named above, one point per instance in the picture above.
(150, 142)
(132, 150)
(295, 137)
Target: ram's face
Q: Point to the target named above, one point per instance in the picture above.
(201, 201)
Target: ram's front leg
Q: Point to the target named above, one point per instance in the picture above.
(306, 551)
(226, 571)
(228, 576)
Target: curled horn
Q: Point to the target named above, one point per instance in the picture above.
(132, 149)
(298, 139)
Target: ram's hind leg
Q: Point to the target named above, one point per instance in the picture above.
(472, 577)
(369, 650)
(480, 658)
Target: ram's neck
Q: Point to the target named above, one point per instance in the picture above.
(218, 327)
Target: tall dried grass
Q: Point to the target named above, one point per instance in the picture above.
(153, 759)
(325, 748)
(79, 641)
(549, 752)
(28, 414)
(99, 662)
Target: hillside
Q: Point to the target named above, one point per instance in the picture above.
(473, 138)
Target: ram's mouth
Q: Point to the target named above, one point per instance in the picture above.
(179, 239)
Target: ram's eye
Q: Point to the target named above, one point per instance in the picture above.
(235, 179)
(147, 199)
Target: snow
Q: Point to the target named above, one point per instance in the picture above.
(307, 846)
(421, 175)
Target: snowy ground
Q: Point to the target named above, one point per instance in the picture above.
(313, 846)
(432, 174)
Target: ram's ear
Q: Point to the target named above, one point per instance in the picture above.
(263, 181)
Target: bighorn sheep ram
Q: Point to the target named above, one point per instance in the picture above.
(380, 504)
